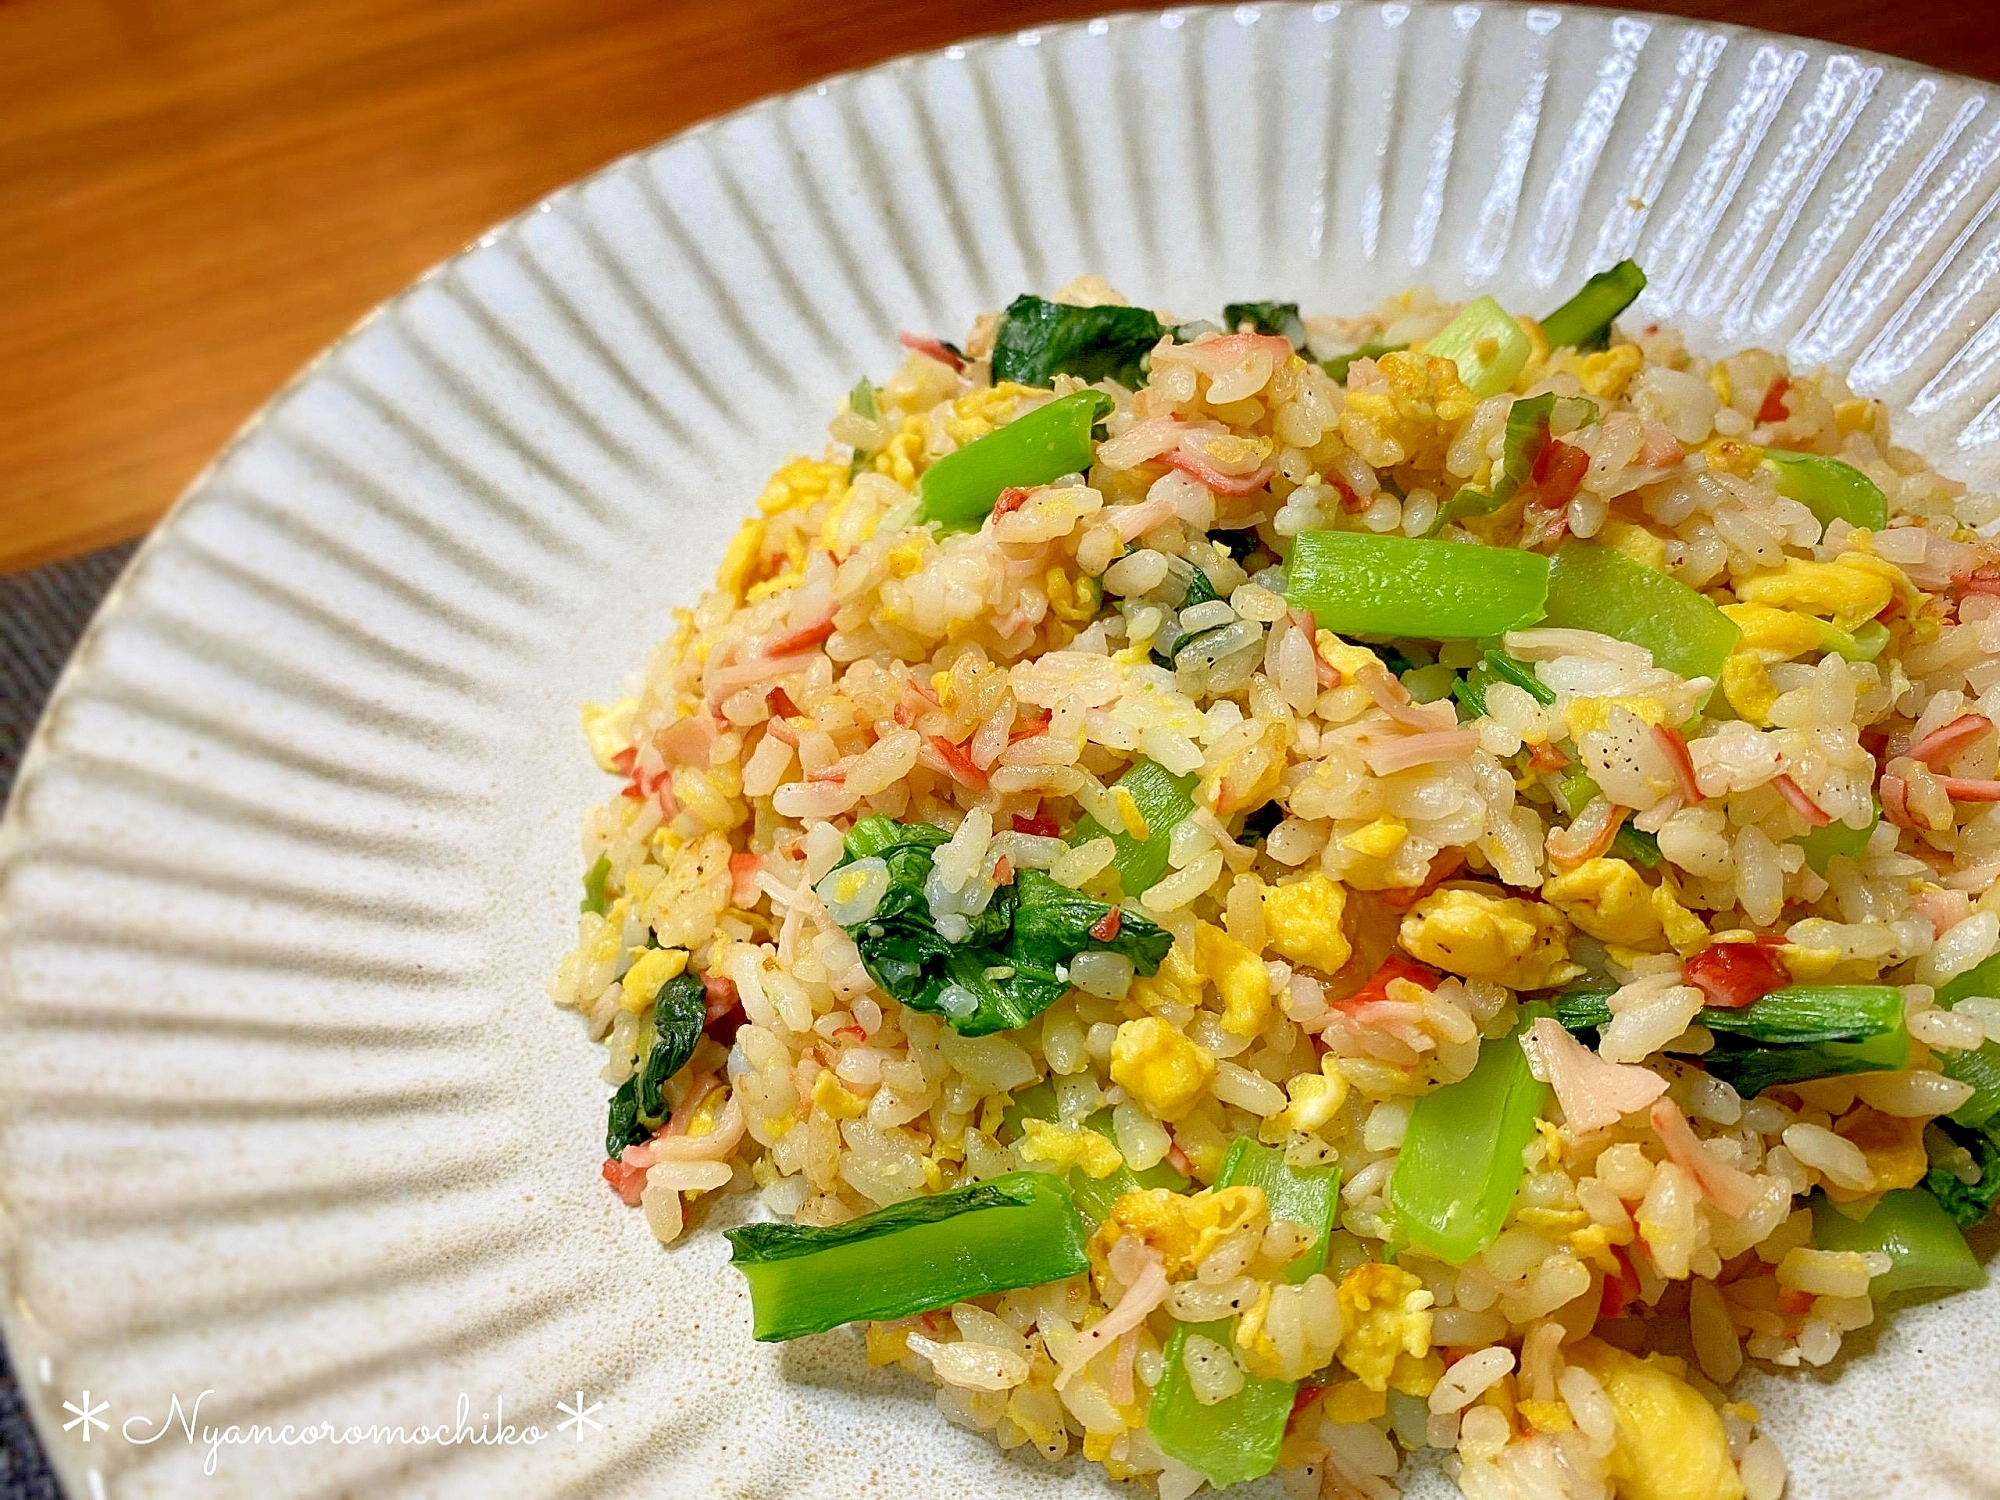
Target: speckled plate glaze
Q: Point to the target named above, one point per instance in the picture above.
(287, 1116)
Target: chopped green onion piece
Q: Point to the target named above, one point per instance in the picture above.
(1357, 583)
(594, 898)
(911, 1257)
(1829, 488)
(1507, 669)
(1037, 340)
(1584, 322)
(1338, 366)
(1238, 1438)
(1637, 845)
(1461, 1160)
(959, 489)
(1575, 790)
(1584, 1009)
(1165, 801)
(861, 400)
(1822, 844)
(1595, 588)
(1487, 344)
(1910, 1227)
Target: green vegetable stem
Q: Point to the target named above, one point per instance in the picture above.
(1910, 1227)
(1828, 488)
(1485, 341)
(1461, 1160)
(911, 1257)
(1595, 588)
(1584, 322)
(1529, 428)
(1238, 1438)
(1357, 583)
(1164, 801)
(958, 490)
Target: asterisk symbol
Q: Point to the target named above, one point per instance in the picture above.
(87, 1415)
(579, 1416)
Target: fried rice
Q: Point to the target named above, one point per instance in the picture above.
(1399, 866)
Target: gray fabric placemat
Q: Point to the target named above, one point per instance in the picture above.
(42, 611)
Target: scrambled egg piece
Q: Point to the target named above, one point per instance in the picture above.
(1239, 978)
(1546, 1416)
(1731, 455)
(1683, 928)
(1894, 1148)
(1521, 944)
(1768, 634)
(1343, 657)
(1183, 1228)
(1351, 1402)
(649, 971)
(1302, 922)
(1851, 590)
(907, 557)
(1588, 715)
(1606, 372)
(740, 559)
(1379, 839)
(608, 730)
(1315, 1099)
(1412, 421)
(978, 413)
(1635, 541)
(1608, 900)
(802, 482)
(1746, 683)
(1387, 1312)
(1671, 1444)
(834, 1100)
(1065, 1146)
(1159, 1067)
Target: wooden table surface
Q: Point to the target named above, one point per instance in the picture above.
(196, 195)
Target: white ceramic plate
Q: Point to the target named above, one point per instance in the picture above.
(288, 1118)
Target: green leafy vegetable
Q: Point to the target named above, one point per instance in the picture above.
(1200, 590)
(1812, 1013)
(639, 1107)
(1981, 1066)
(1357, 583)
(958, 490)
(1038, 340)
(1830, 489)
(1487, 344)
(861, 400)
(1595, 588)
(1914, 1230)
(1461, 1160)
(1280, 318)
(1164, 801)
(1787, 1036)
(1238, 1438)
(594, 898)
(1017, 1230)
(1338, 366)
(1238, 544)
(1968, 1203)
(1010, 965)
(1584, 322)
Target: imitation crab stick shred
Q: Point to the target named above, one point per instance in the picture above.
(1675, 747)
(1729, 1189)
(1802, 804)
(1733, 975)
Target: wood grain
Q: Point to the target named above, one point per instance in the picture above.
(196, 197)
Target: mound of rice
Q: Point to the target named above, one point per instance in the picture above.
(1395, 872)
